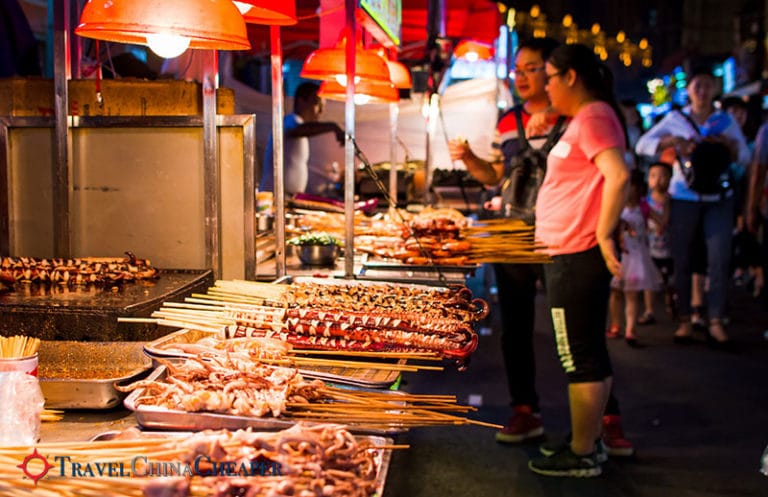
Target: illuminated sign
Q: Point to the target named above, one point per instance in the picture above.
(387, 14)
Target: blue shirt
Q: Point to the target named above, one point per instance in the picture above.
(295, 158)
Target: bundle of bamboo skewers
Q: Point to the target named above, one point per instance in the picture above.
(370, 410)
(509, 241)
(18, 346)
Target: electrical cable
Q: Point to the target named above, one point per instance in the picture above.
(385, 192)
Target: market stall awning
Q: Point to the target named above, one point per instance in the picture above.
(474, 19)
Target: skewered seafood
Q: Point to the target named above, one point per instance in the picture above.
(227, 384)
(453, 302)
(343, 316)
(318, 460)
(75, 271)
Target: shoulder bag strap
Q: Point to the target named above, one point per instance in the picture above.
(554, 134)
(690, 121)
(520, 128)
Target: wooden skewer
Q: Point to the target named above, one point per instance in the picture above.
(364, 364)
(18, 346)
(368, 407)
(125, 319)
(425, 356)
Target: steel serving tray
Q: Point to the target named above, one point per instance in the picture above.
(426, 285)
(160, 418)
(361, 377)
(90, 313)
(82, 375)
(416, 273)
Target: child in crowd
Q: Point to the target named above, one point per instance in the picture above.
(638, 272)
(747, 260)
(659, 174)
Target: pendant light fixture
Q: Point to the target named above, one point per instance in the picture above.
(329, 64)
(398, 73)
(401, 76)
(168, 27)
(365, 92)
(269, 12)
(472, 50)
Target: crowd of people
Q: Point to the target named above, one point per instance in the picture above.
(631, 217)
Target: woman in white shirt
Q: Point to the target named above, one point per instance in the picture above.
(689, 209)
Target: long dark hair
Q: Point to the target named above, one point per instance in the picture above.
(596, 76)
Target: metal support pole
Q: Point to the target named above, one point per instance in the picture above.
(394, 110)
(349, 146)
(249, 198)
(211, 170)
(435, 30)
(277, 148)
(61, 175)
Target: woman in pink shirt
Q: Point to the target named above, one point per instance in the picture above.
(577, 210)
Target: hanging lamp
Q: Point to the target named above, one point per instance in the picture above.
(473, 50)
(199, 24)
(365, 92)
(270, 12)
(399, 74)
(327, 64)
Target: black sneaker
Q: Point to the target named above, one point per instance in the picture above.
(566, 463)
(552, 447)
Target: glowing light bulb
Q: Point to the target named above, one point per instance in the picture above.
(342, 79)
(472, 56)
(167, 46)
(361, 99)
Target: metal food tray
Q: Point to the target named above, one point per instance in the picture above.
(359, 377)
(90, 313)
(160, 418)
(426, 285)
(415, 273)
(382, 459)
(60, 362)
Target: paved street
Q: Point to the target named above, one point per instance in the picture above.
(698, 417)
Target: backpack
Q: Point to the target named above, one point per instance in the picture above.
(527, 170)
(706, 171)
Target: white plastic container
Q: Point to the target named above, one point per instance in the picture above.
(21, 402)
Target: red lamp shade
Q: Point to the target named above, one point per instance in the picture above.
(365, 92)
(206, 24)
(271, 12)
(329, 64)
(473, 50)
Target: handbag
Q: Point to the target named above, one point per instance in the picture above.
(527, 170)
(706, 171)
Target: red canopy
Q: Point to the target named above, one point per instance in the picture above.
(474, 19)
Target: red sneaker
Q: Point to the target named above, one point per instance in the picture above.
(524, 424)
(613, 437)
(613, 332)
